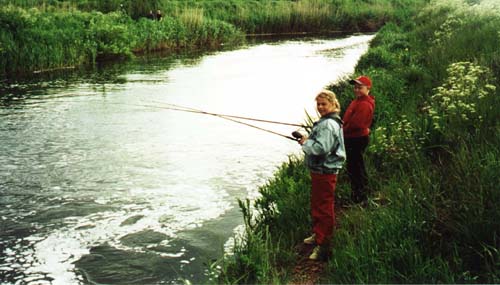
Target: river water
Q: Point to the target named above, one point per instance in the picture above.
(97, 185)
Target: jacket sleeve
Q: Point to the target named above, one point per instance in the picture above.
(361, 117)
(321, 143)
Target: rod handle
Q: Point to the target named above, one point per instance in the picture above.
(297, 135)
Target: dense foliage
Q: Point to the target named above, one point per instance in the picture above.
(50, 34)
(433, 163)
(34, 39)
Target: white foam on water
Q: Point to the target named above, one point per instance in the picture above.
(189, 208)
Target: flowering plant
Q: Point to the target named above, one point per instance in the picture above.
(459, 103)
(398, 141)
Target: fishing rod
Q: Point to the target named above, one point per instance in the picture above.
(232, 119)
(295, 135)
(192, 110)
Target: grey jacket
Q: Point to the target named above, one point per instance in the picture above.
(324, 149)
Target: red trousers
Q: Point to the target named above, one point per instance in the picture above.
(322, 205)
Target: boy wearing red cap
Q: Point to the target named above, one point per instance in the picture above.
(358, 118)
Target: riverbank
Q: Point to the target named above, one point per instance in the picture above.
(49, 35)
(433, 163)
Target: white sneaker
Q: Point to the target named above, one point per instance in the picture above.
(310, 240)
(315, 253)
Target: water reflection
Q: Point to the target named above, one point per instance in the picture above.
(102, 77)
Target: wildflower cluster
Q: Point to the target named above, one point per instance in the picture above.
(446, 30)
(487, 7)
(397, 141)
(455, 103)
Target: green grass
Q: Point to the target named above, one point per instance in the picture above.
(433, 162)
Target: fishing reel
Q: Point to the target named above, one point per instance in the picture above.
(297, 135)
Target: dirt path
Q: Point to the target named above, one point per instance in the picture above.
(307, 271)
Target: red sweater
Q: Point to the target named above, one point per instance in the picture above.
(358, 117)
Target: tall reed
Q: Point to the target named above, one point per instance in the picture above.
(33, 40)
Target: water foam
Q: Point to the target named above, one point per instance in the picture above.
(56, 253)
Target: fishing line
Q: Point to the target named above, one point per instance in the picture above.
(188, 109)
(229, 117)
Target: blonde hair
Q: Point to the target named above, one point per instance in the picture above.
(331, 97)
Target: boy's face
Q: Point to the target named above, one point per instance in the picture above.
(361, 90)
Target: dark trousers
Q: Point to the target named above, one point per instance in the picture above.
(355, 148)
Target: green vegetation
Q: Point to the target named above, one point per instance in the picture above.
(433, 158)
(33, 39)
(50, 34)
(433, 162)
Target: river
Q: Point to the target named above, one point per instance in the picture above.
(99, 185)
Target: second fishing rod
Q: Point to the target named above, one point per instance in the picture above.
(234, 118)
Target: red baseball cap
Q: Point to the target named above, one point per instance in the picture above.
(362, 80)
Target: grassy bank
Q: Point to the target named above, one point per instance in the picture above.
(37, 35)
(433, 162)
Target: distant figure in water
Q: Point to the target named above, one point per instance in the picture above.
(158, 15)
(358, 119)
(324, 156)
